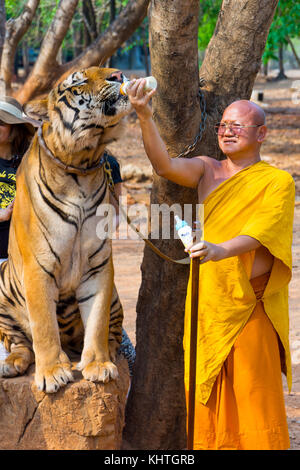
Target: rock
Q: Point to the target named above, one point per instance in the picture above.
(81, 416)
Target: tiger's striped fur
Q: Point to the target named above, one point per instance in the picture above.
(57, 293)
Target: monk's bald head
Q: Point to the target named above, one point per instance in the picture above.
(247, 109)
(243, 130)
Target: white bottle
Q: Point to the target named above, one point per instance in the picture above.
(184, 231)
(151, 84)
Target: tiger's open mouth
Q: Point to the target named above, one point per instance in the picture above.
(115, 101)
(118, 77)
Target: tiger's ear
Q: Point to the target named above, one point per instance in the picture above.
(37, 109)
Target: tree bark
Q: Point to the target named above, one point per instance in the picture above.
(15, 30)
(2, 26)
(47, 71)
(155, 415)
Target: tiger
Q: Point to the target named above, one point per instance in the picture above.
(57, 291)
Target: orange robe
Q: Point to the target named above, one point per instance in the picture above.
(258, 201)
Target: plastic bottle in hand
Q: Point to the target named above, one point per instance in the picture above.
(184, 231)
(151, 84)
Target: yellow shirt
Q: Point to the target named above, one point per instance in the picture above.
(258, 201)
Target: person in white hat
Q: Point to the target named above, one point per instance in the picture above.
(16, 132)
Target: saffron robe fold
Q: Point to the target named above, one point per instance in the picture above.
(246, 410)
(258, 201)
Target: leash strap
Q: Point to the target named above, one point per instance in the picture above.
(108, 171)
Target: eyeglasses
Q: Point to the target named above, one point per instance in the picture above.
(235, 128)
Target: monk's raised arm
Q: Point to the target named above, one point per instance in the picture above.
(186, 172)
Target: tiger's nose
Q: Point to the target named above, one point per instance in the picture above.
(118, 76)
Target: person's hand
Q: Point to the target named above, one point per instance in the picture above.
(139, 98)
(207, 251)
(5, 214)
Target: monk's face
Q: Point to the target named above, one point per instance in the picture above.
(236, 141)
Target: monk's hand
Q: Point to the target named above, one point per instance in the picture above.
(207, 251)
(139, 98)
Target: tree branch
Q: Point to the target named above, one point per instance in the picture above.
(46, 70)
(233, 55)
(294, 50)
(118, 32)
(15, 30)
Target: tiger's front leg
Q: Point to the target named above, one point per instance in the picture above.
(94, 300)
(53, 368)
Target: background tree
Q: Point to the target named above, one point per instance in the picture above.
(15, 30)
(51, 32)
(208, 16)
(285, 27)
(155, 416)
(2, 25)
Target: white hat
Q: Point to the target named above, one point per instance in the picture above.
(11, 112)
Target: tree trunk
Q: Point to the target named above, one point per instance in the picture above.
(112, 17)
(2, 26)
(46, 70)
(89, 21)
(113, 10)
(294, 51)
(155, 415)
(25, 58)
(15, 30)
(281, 75)
(76, 35)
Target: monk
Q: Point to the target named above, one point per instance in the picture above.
(245, 258)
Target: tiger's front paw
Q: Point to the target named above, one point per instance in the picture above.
(50, 378)
(16, 363)
(97, 371)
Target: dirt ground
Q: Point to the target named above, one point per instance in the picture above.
(281, 149)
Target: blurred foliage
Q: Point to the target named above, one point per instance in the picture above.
(209, 11)
(76, 39)
(286, 24)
